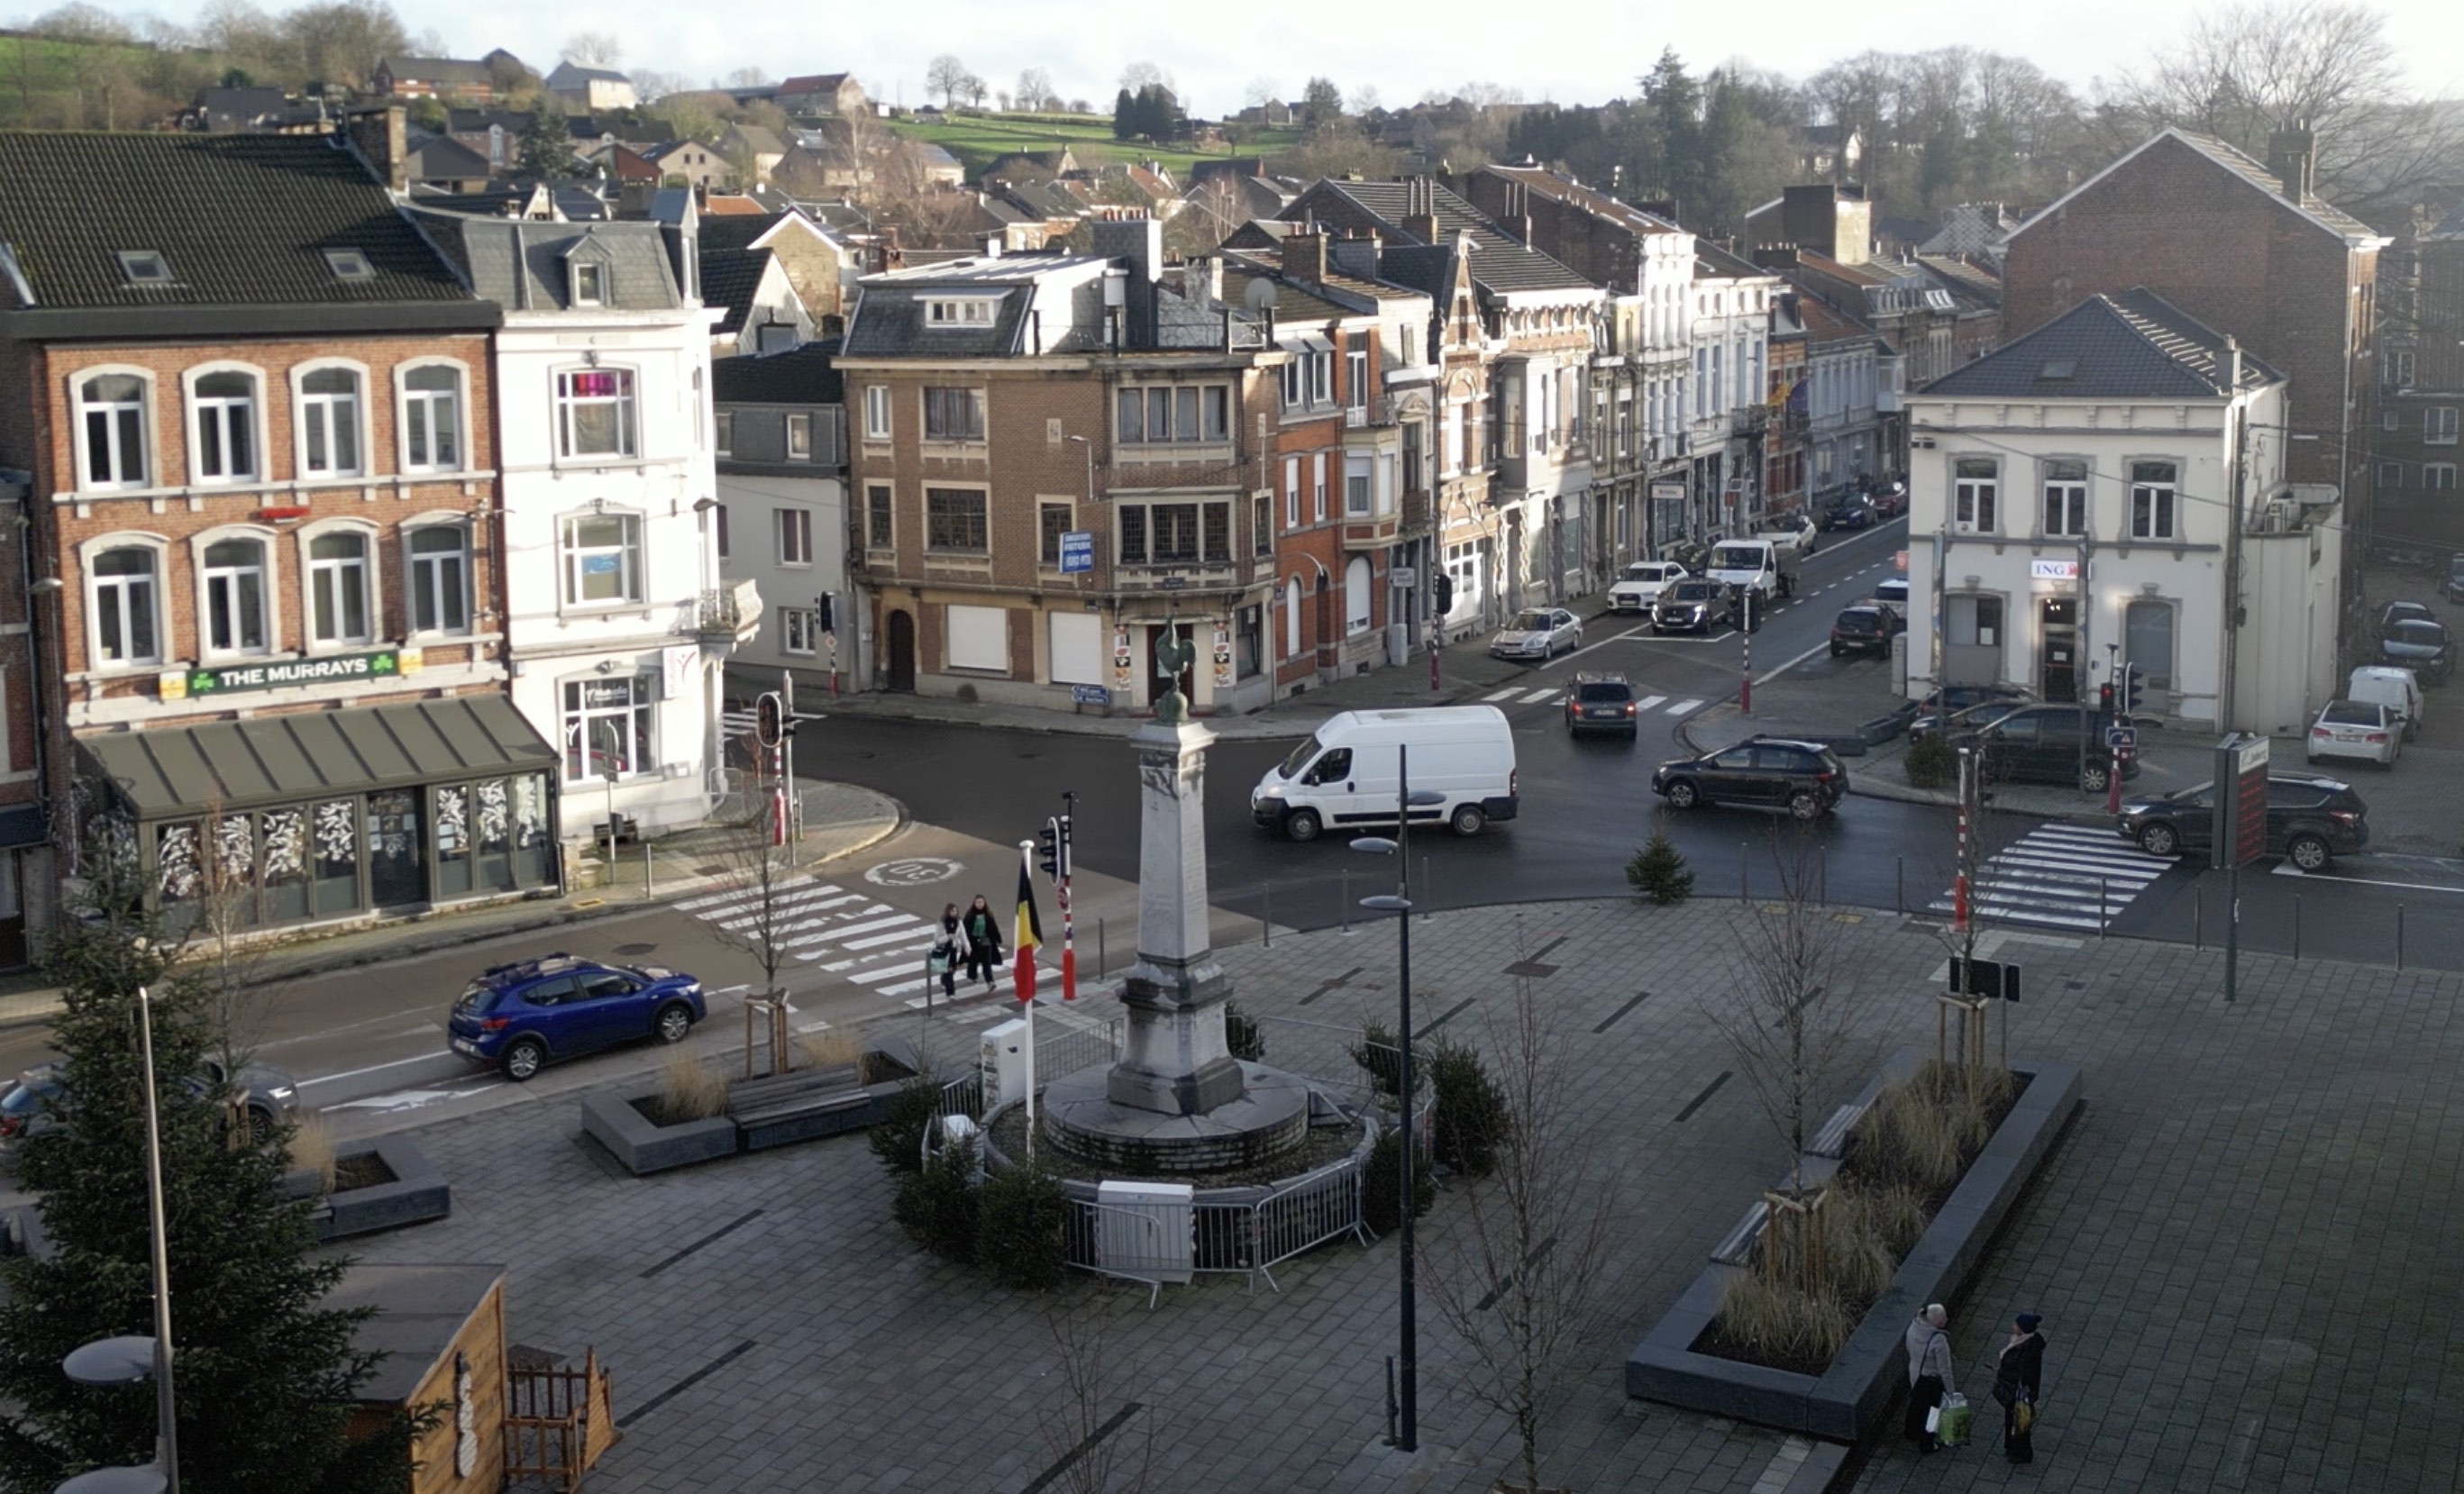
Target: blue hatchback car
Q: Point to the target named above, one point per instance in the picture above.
(521, 1016)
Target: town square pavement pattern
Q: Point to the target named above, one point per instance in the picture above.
(2247, 1249)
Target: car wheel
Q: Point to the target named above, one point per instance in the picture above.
(1684, 795)
(1467, 820)
(2095, 776)
(522, 1059)
(261, 1126)
(674, 1021)
(1835, 650)
(2309, 852)
(1804, 805)
(2159, 840)
(1302, 824)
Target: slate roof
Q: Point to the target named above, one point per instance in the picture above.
(568, 74)
(729, 280)
(442, 158)
(889, 319)
(1825, 322)
(1500, 264)
(437, 70)
(2136, 346)
(475, 122)
(521, 265)
(806, 375)
(1585, 199)
(2231, 158)
(240, 219)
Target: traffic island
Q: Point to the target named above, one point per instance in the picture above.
(1867, 1375)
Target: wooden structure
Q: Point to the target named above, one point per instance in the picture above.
(442, 1332)
(559, 1420)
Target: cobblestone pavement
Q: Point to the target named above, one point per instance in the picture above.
(2232, 1247)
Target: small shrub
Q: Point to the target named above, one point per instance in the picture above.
(831, 1047)
(689, 1091)
(1470, 1117)
(1382, 1056)
(938, 1205)
(898, 1139)
(1243, 1036)
(1929, 761)
(1381, 1184)
(312, 1149)
(1021, 1215)
(1658, 872)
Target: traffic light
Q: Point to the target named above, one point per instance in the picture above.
(2104, 697)
(1441, 593)
(2134, 684)
(769, 719)
(1052, 847)
(824, 615)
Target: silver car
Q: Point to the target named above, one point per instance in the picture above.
(2362, 729)
(269, 1096)
(1538, 634)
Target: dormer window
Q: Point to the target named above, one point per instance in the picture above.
(589, 285)
(145, 267)
(959, 312)
(349, 264)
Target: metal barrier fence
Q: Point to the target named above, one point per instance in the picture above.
(1249, 1239)
(1128, 1244)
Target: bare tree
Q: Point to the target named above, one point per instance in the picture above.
(747, 77)
(1261, 92)
(762, 921)
(1034, 91)
(1094, 1455)
(1513, 1271)
(593, 48)
(1140, 74)
(946, 75)
(1209, 217)
(973, 89)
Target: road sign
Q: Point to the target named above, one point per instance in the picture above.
(1989, 977)
(1403, 575)
(2122, 739)
(1077, 552)
(1090, 694)
(2240, 832)
(1900, 560)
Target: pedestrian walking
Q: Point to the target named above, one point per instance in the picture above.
(983, 933)
(1929, 1345)
(2019, 1384)
(947, 946)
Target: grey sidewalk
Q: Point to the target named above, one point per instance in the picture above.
(2245, 1246)
(840, 820)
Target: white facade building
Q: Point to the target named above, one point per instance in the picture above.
(1728, 331)
(782, 423)
(2072, 507)
(617, 624)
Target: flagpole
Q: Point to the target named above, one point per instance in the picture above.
(1022, 977)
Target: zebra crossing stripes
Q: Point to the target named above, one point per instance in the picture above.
(736, 723)
(1503, 695)
(850, 935)
(1684, 706)
(2063, 876)
(1520, 695)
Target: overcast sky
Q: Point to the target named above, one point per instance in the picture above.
(1569, 50)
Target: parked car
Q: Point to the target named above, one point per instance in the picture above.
(1889, 499)
(1967, 707)
(2354, 729)
(1807, 778)
(1851, 510)
(1894, 592)
(1537, 633)
(2311, 821)
(2453, 588)
(2424, 648)
(527, 1014)
(2398, 689)
(1865, 629)
(267, 1096)
(2394, 612)
(1642, 584)
(1602, 702)
(2046, 744)
(2406, 557)
(1692, 606)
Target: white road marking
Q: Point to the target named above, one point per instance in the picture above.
(1503, 695)
(1647, 703)
(1781, 668)
(1537, 697)
(373, 1068)
(2289, 869)
(887, 939)
(1683, 706)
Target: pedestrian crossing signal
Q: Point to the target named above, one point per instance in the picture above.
(1052, 847)
(770, 720)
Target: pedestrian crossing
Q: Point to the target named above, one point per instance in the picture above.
(853, 935)
(2063, 876)
(1555, 696)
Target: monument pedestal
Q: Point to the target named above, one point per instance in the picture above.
(1175, 1059)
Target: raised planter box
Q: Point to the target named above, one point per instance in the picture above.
(417, 1193)
(829, 1103)
(1872, 1369)
(615, 1122)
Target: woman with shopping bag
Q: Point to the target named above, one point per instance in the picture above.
(2018, 1381)
(949, 947)
(1929, 1373)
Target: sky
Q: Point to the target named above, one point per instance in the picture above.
(1576, 51)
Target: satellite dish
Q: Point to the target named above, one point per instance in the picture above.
(1260, 296)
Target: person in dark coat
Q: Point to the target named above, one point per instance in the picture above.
(983, 940)
(2019, 1384)
(949, 947)
(1929, 1372)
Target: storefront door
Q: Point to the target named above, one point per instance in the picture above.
(2058, 646)
(397, 849)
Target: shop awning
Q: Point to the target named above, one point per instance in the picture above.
(172, 772)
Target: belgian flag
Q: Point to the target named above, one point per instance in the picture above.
(1028, 934)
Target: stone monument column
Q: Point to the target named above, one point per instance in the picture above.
(1176, 1061)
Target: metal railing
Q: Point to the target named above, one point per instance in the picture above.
(726, 611)
(1248, 1238)
(1129, 1245)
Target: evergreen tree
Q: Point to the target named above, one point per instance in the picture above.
(266, 1374)
(547, 146)
(1658, 871)
(1677, 112)
(1125, 115)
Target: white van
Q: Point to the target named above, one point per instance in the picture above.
(1347, 775)
(2398, 689)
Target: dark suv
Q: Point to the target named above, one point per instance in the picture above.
(1602, 703)
(2311, 821)
(1693, 605)
(2042, 745)
(1805, 777)
(1865, 629)
(519, 1016)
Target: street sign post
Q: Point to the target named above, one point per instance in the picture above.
(2239, 831)
(1077, 552)
(2121, 742)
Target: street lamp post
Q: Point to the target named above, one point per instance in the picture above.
(1407, 1436)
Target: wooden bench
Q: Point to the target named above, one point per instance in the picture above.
(800, 1106)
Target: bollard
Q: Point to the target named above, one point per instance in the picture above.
(1266, 913)
(1899, 883)
(650, 889)
(1103, 956)
(2399, 935)
(2297, 926)
(2100, 916)
(1346, 899)
(2198, 918)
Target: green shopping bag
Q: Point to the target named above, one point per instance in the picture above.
(1957, 1416)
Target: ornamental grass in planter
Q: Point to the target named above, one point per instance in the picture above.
(689, 1091)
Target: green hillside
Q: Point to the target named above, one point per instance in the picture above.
(978, 138)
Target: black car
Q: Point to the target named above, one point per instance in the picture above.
(2310, 819)
(1967, 707)
(2046, 744)
(1602, 702)
(1807, 778)
(2396, 612)
(1852, 510)
(2422, 647)
(1691, 606)
(1865, 629)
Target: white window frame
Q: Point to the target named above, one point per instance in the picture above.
(314, 573)
(627, 405)
(975, 404)
(877, 412)
(1355, 378)
(2155, 507)
(83, 438)
(724, 440)
(2438, 477)
(2075, 496)
(792, 531)
(1977, 501)
(1359, 487)
(799, 436)
(269, 591)
(1321, 378)
(596, 270)
(254, 425)
(947, 312)
(90, 551)
(406, 399)
(571, 557)
(417, 585)
(640, 739)
(2391, 475)
(1291, 493)
(2438, 426)
(310, 411)
(1317, 487)
(796, 626)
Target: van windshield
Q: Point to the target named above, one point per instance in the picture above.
(1290, 767)
(1736, 557)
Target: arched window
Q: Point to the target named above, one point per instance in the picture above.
(329, 422)
(338, 603)
(226, 415)
(123, 609)
(233, 574)
(1355, 596)
(111, 413)
(440, 579)
(1292, 618)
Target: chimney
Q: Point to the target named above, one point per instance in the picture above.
(2233, 364)
(1305, 258)
(379, 139)
(2292, 155)
(1358, 255)
(1421, 217)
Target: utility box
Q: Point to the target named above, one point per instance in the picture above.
(1003, 1062)
(1143, 1231)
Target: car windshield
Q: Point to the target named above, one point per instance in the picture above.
(1607, 690)
(2415, 630)
(476, 999)
(2350, 713)
(1642, 573)
(1529, 622)
(1858, 622)
(1691, 590)
(1736, 557)
(1292, 766)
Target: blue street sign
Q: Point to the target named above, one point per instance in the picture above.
(1077, 551)
(1090, 694)
(2122, 738)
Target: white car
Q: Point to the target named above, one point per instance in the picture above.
(2393, 687)
(2356, 729)
(1894, 592)
(1537, 633)
(1642, 584)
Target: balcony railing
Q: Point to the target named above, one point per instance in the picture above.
(729, 615)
